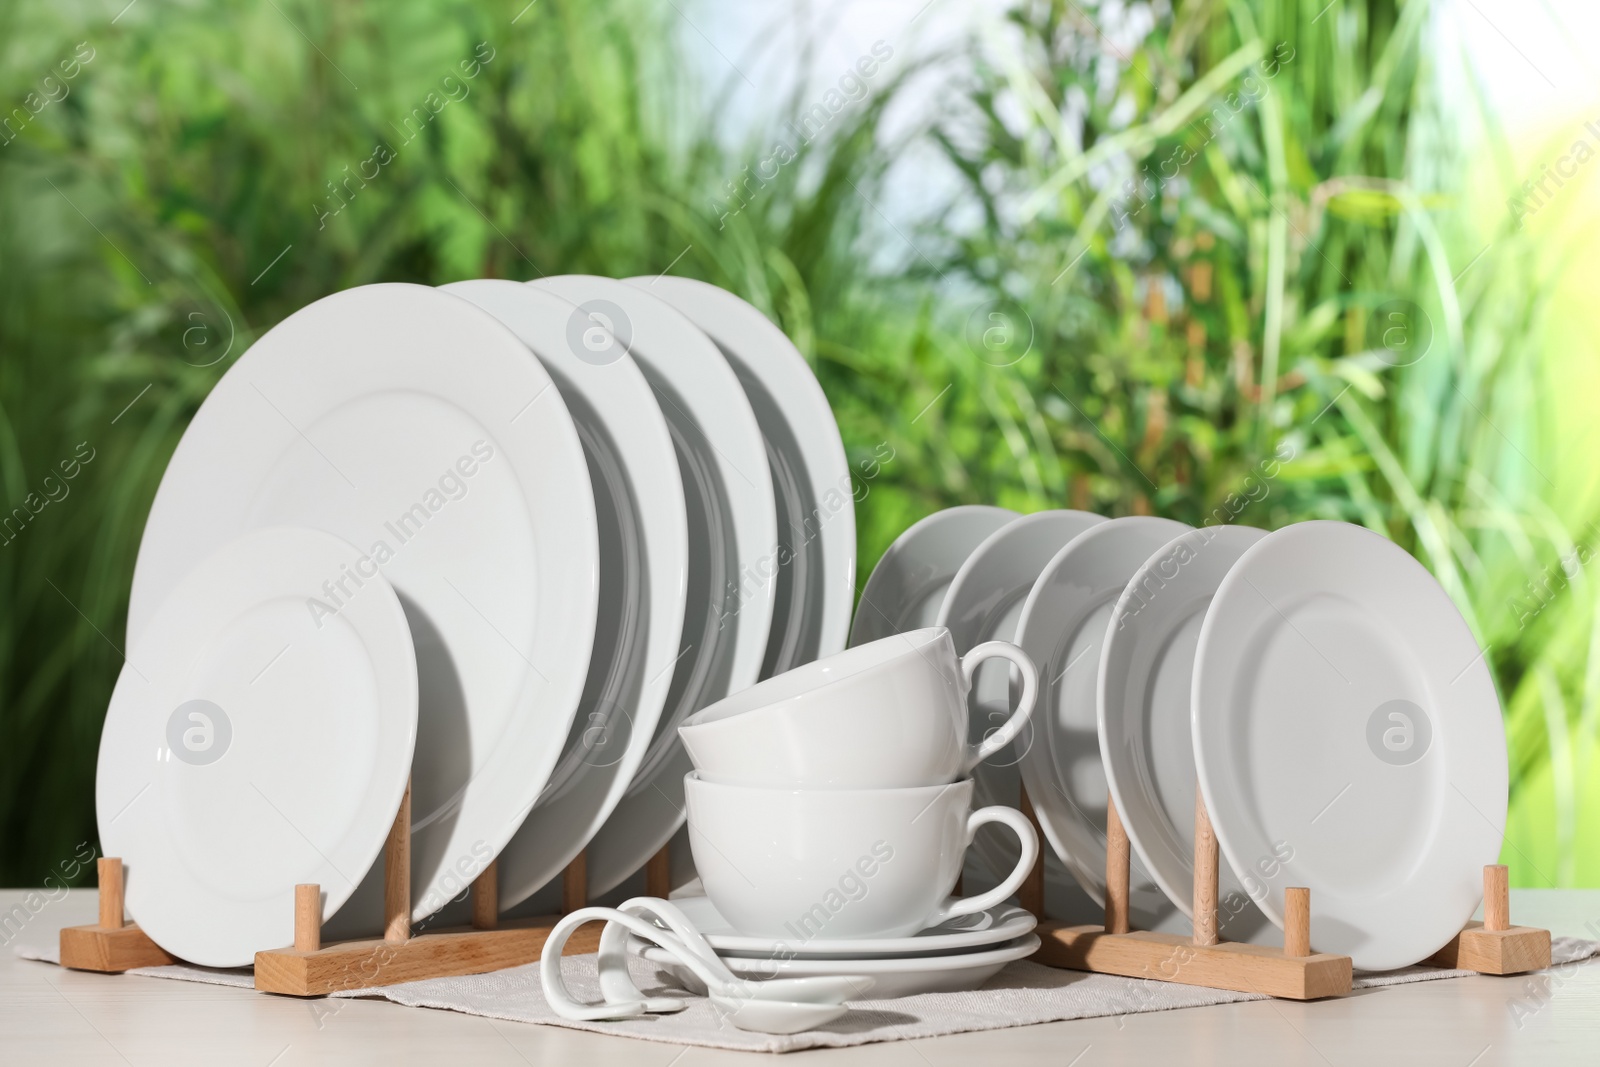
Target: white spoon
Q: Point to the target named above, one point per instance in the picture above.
(763, 1007)
(617, 984)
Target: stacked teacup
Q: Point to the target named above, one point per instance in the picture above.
(832, 803)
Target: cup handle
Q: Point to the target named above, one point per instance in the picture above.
(1030, 853)
(1030, 692)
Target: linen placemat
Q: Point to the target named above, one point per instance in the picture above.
(1020, 995)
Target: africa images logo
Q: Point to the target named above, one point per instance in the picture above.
(1399, 732)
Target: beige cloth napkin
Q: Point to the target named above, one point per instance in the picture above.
(1020, 995)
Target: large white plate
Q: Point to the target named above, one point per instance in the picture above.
(907, 587)
(812, 490)
(1146, 675)
(644, 551)
(1348, 738)
(1063, 628)
(966, 933)
(733, 549)
(258, 737)
(982, 604)
(891, 976)
(415, 426)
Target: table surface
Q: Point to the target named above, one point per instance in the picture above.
(49, 1015)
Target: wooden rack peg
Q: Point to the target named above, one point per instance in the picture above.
(112, 944)
(1202, 959)
(1494, 946)
(658, 873)
(309, 969)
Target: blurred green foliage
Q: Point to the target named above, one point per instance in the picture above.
(1242, 237)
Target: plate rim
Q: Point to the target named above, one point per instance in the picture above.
(661, 535)
(778, 365)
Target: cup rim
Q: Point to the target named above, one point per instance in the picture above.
(872, 655)
(693, 779)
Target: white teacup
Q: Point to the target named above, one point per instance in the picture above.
(886, 714)
(798, 864)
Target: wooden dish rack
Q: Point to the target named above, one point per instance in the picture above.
(308, 968)
(1293, 972)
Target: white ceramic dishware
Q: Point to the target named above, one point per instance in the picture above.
(965, 933)
(982, 604)
(888, 714)
(417, 427)
(907, 587)
(1146, 677)
(784, 1007)
(643, 539)
(811, 480)
(258, 737)
(892, 977)
(1063, 629)
(842, 863)
(733, 546)
(1348, 738)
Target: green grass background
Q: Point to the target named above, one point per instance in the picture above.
(1326, 278)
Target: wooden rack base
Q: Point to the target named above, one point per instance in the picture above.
(310, 969)
(113, 944)
(1292, 972)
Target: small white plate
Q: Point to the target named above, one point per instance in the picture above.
(891, 977)
(258, 737)
(733, 550)
(644, 556)
(982, 604)
(811, 483)
(1146, 675)
(907, 587)
(963, 934)
(418, 428)
(1063, 627)
(1348, 738)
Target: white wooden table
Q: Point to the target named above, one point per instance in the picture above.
(61, 1018)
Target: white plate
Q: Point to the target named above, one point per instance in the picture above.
(982, 604)
(1146, 674)
(1063, 627)
(257, 738)
(907, 587)
(891, 976)
(415, 426)
(1348, 738)
(643, 532)
(812, 490)
(965, 933)
(733, 549)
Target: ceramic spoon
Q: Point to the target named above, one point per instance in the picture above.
(758, 1006)
(617, 984)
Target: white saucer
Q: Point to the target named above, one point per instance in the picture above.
(257, 738)
(1348, 738)
(963, 934)
(891, 977)
(1146, 675)
(733, 556)
(907, 587)
(418, 428)
(982, 604)
(1063, 628)
(811, 483)
(644, 555)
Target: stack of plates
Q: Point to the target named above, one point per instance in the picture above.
(1314, 686)
(960, 954)
(495, 540)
